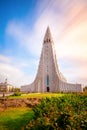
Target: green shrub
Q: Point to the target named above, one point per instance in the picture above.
(17, 94)
(64, 113)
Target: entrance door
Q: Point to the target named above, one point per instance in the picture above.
(48, 89)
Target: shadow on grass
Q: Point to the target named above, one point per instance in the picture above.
(19, 123)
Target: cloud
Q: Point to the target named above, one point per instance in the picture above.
(74, 69)
(24, 37)
(14, 75)
(74, 43)
(13, 70)
(5, 59)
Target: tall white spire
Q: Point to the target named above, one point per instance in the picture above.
(48, 37)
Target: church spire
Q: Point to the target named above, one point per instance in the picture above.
(48, 37)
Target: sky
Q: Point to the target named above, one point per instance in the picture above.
(22, 28)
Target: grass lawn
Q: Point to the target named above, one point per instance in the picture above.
(18, 118)
(15, 118)
(38, 95)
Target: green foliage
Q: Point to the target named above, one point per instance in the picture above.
(16, 89)
(16, 94)
(64, 113)
(85, 89)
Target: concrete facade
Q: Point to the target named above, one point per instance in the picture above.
(49, 78)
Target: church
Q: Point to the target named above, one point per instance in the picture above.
(49, 78)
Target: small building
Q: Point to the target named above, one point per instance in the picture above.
(6, 87)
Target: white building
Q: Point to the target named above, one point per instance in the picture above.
(6, 87)
(49, 78)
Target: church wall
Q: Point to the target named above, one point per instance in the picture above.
(68, 87)
(28, 88)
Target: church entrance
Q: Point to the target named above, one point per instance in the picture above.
(48, 89)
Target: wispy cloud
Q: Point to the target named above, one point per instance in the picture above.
(5, 59)
(74, 69)
(14, 75)
(23, 36)
(13, 70)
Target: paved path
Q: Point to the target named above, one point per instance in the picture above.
(6, 94)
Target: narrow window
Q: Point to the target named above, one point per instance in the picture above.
(47, 80)
(47, 83)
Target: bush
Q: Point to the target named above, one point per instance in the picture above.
(65, 113)
(17, 94)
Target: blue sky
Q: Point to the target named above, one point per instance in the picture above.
(22, 27)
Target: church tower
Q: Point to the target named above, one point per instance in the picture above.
(48, 78)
